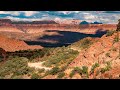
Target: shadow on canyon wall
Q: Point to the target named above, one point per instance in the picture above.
(64, 38)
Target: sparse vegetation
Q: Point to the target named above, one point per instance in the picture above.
(110, 33)
(17, 66)
(54, 70)
(85, 70)
(116, 39)
(107, 68)
(107, 54)
(114, 49)
(35, 76)
(41, 70)
(61, 74)
(85, 43)
(62, 56)
(72, 74)
(82, 44)
(94, 66)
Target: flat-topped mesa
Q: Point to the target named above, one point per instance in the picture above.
(44, 22)
(70, 21)
(5, 22)
(35, 22)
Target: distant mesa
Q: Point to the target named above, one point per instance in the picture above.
(69, 21)
(8, 21)
(5, 21)
(84, 22)
(35, 22)
(97, 23)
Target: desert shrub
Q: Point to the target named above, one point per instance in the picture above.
(116, 39)
(61, 56)
(114, 49)
(41, 70)
(107, 54)
(110, 33)
(54, 70)
(108, 65)
(75, 70)
(17, 77)
(85, 43)
(107, 68)
(72, 74)
(78, 70)
(85, 70)
(35, 76)
(17, 66)
(61, 74)
(94, 66)
(103, 70)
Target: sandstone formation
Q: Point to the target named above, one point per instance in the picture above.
(15, 45)
(41, 26)
(105, 49)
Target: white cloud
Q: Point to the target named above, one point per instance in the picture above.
(89, 17)
(15, 13)
(30, 13)
(27, 19)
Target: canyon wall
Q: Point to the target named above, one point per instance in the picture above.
(40, 26)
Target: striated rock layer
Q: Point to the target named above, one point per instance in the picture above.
(15, 45)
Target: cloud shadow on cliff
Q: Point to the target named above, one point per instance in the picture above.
(64, 38)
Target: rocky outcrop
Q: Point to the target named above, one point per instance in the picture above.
(69, 22)
(15, 45)
(41, 26)
(105, 49)
(5, 22)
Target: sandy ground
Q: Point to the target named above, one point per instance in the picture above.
(38, 65)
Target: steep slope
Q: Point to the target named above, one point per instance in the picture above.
(14, 45)
(104, 50)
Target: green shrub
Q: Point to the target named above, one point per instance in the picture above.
(85, 71)
(41, 70)
(75, 70)
(72, 74)
(17, 66)
(35, 76)
(17, 77)
(85, 43)
(107, 54)
(110, 33)
(78, 70)
(108, 65)
(107, 68)
(61, 74)
(103, 70)
(94, 66)
(116, 39)
(54, 70)
(114, 49)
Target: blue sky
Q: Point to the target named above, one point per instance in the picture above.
(109, 17)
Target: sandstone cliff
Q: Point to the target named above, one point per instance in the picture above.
(103, 50)
(15, 45)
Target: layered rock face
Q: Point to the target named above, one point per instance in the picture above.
(15, 45)
(69, 22)
(7, 25)
(103, 50)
